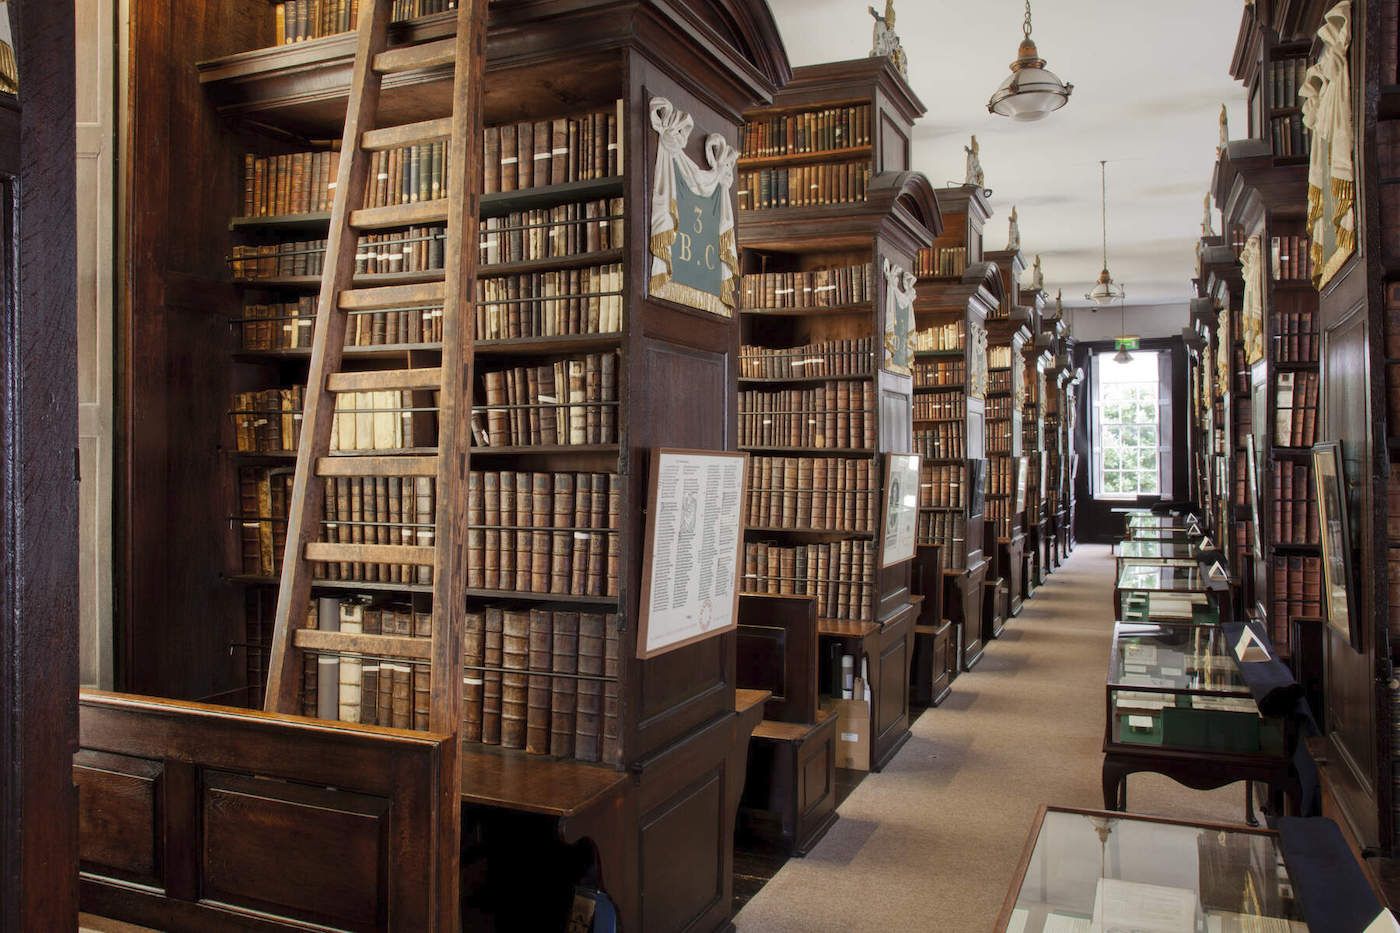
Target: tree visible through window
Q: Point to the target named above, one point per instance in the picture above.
(1128, 463)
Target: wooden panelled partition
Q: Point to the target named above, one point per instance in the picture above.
(205, 817)
(38, 434)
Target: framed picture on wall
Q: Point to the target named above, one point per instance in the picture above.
(1022, 465)
(901, 509)
(1251, 469)
(1336, 542)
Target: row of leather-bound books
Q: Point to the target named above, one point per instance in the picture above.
(1001, 476)
(361, 688)
(305, 182)
(999, 357)
(998, 436)
(411, 249)
(840, 574)
(833, 415)
(998, 512)
(1295, 424)
(263, 496)
(803, 186)
(940, 406)
(937, 374)
(302, 20)
(553, 533)
(950, 336)
(1295, 336)
(816, 493)
(569, 401)
(1291, 258)
(815, 288)
(942, 441)
(941, 262)
(941, 485)
(559, 302)
(1295, 504)
(1297, 593)
(290, 324)
(809, 131)
(536, 153)
(383, 510)
(999, 408)
(998, 380)
(850, 357)
(947, 529)
(544, 680)
(555, 232)
(268, 420)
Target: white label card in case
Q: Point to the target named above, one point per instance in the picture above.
(1384, 923)
(1217, 572)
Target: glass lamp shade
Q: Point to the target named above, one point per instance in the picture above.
(1122, 356)
(1031, 91)
(1106, 292)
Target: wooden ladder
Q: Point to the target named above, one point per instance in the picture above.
(307, 548)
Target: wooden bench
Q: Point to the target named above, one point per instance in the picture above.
(789, 798)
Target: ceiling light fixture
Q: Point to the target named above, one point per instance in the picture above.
(1123, 356)
(1106, 292)
(1031, 91)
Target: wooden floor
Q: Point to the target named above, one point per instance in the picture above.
(931, 842)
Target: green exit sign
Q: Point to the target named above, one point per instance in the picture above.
(1125, 343)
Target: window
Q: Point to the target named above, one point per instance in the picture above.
(1128, 463)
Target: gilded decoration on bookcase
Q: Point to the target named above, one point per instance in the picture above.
(974, 175)
(1327, 113)
(1222, 353)
(899, 319)
(694, 260)
(1252, 312)
(885, 41)
(977, 360)
(9, 67)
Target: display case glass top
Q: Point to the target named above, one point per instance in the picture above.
(1164, 534)
(1160, 578)
(1159, 521)
(1159, 550)
(1106, 871)
(1176, 688)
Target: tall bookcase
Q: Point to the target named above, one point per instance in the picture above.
(1008, 332)
(1033, 441)
(571, 92)
(958, 291)
(830, 219)
(1053, 331)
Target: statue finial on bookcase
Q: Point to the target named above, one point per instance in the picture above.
(1037, 277)
(1207, 220)
(886, 41)
(1224, 132)
(1013, 234)
(974, 176)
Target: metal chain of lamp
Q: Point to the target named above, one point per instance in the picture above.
(1106, 291)
(1032, 91)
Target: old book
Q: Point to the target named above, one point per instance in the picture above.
(612, 704)
(592, 651)
(537, 727)
(422, 696)
(491, 677)
(514, 681)
(564, 687)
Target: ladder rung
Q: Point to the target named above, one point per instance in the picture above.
(412, 57)
(380, 646)
(388, 297)
(377, 466)
(409, 134)
(378, 380)
(400, 215)
(371, 553)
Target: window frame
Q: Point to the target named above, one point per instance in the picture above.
(1145, 392)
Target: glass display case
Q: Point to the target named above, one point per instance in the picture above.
(1164, 533)
(1091, 870)
(1177, 687)
(1172, 592)
(1174, 553)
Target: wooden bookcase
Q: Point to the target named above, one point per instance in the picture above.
(815, 289)
(958, 291)
(1051, 340)
(1033, 441)
(666, 790)
(1008, 332)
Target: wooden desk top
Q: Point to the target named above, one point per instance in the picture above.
(513, 780)
(847, 629)
(745, 700)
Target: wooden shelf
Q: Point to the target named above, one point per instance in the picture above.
(367, 279)
(771, 529)
(861, 308)
(816, 451)
(847, 154)
(563, 598)
(381, 351)
(848, 377)
(844, 628)
(543, 450)
(531, 346)
(500, 203)
(938, 354)
(249, 579)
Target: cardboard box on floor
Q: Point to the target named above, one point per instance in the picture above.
(852, 732)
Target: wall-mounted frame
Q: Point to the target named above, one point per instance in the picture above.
(694, 548)
(901, 509)
(976, 487)
(1337, 589)
(1022, 466)
(1252, 480)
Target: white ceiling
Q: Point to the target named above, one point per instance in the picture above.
(1149, 79)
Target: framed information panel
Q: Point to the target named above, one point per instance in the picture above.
(901, 508)
(694, 544)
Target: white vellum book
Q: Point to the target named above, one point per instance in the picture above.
(1133, 907)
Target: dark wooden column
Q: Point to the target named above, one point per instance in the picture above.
(38, 478)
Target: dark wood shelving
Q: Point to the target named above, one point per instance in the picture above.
(774, 380)
(861, 308)
(806, 158)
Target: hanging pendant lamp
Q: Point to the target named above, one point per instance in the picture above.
(1123, 356)
(1031, 91)
(1106, 291)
